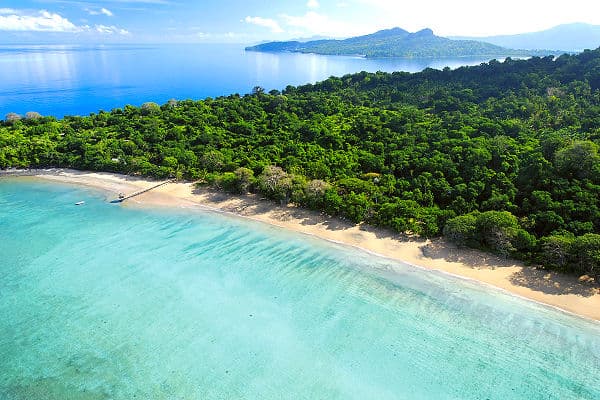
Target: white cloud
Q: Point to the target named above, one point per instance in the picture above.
(41, 21)
(45, 21)
(102, 11)
(110, 30)
(106, 12)
(210, 37)
(265, 22)
(312, 4)
(478, 18)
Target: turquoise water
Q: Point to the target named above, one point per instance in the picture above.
(104, 301)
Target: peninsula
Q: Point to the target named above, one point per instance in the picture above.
(397, 42)
(502, 156)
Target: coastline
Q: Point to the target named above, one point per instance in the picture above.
(552, 289)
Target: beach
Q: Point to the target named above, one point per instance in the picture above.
(555, 290)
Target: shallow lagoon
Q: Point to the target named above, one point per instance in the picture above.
(110, 302)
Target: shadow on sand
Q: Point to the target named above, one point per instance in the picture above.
(530, 277)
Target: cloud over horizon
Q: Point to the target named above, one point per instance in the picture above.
(265, 22)
(253, 21)
(45, 21)
(110, 30)
(40, 21)
(102, 11)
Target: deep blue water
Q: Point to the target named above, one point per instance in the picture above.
(75, 80)
(104, 301)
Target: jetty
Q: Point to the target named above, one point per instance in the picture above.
(123, 197)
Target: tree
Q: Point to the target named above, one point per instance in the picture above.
(556, 251)
(579, 159)
(333, 202)
(227, 182)
(12, 117)
(150, 108)
(314, 193)
(400, 215)
(497, 230)
(212, 160)
(356, 206)
(31, 115)
(586, 253)
(244, 179)
(275, 183)
(258, 90)
(524, 241)
(461, 230)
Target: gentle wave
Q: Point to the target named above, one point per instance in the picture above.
(106, 302)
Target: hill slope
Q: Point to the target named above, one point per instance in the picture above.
(394, 42)
(501, 156)
(568, 37)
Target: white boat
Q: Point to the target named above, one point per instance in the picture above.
(80, 203)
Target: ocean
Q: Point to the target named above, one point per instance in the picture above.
(109, 301)
(77, 80)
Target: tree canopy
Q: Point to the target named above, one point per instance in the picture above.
(501, 156)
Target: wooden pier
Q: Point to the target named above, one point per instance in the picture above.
(123, 197)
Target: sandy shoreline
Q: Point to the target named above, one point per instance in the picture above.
(564, 292)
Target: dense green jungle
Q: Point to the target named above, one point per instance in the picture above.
(502, 156)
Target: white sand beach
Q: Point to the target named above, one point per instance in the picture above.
(561, 291)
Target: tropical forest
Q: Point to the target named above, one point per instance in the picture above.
(502, 156)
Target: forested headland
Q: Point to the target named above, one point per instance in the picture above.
(397, 42)
(501, 156)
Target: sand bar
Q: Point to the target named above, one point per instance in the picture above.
(553, 289)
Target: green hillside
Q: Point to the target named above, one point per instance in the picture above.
(396, 42)
(501, 156)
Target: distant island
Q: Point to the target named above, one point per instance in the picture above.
(397, 42)
(567, 38)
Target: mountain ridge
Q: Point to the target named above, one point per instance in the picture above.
(566, 37)
(396, 42)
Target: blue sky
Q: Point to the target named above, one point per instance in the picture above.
(249, 21)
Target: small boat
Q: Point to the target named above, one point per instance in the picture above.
(80, 203)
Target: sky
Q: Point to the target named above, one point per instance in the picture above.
(252, 21)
